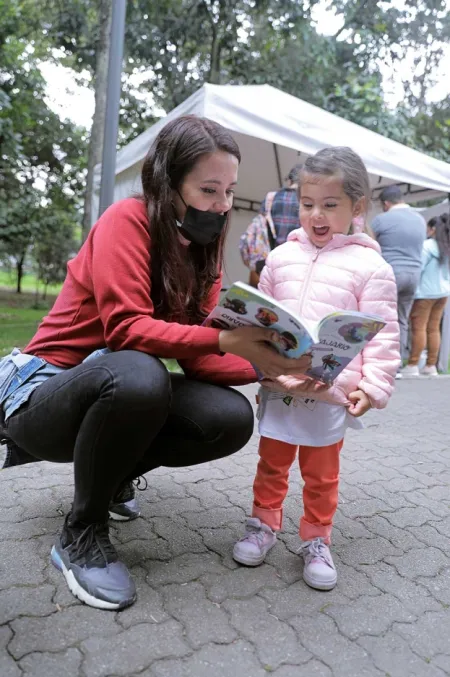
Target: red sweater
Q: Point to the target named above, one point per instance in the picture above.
(106, 301)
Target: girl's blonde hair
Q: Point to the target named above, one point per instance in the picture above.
(343, 163)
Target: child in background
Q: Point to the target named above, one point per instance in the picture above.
(430, 298)
(320, 269)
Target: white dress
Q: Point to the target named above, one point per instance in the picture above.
(302, 420)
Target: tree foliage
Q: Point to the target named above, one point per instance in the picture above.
(41, 156)
(171, 48)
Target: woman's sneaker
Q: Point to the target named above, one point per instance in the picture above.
(124, 506)
(252, 548)
(319, 571)
(89, 563)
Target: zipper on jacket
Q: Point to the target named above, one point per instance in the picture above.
(307, 279)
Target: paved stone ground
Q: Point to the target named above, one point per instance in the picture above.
(201, 615)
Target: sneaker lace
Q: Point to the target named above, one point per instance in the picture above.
(253, 534)
(93, 547)
(140, 480)
(126, 490)
(316, 550)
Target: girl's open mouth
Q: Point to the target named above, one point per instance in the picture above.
(321, 230)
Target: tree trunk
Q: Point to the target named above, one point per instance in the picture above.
(216, 47)
(214, 68)
(98, 121)
(19, 271)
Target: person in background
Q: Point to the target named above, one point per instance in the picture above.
(285, 207)
(401, 232)
(431, 298)
(284, 213)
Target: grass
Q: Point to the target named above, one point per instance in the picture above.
(19, 320)
(17, 327)
(20, 314)
(29, 282)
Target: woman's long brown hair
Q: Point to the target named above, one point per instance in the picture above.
(181, 276)
(442, 235)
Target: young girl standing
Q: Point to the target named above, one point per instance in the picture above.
(431, 298)
(320, 269)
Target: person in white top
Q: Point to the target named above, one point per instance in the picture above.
(322, 268)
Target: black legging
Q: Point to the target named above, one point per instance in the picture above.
(122, 414)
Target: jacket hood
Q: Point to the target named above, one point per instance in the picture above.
(337, 241)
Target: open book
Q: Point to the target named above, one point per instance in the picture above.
(332, 343)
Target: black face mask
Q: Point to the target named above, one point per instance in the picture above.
(201, 227)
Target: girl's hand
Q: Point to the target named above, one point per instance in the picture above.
(251, 343)
(360, 403)
(298, 385)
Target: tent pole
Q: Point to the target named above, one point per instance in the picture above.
(112, 104)
(277, 162)
(444, 352)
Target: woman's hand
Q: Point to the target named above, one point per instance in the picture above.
(251, 343)
(360, 403)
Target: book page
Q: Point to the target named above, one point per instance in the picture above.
(244, 306)
(342, 336)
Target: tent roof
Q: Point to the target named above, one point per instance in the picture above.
(290, 124)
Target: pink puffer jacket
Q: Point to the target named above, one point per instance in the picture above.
(347, 274)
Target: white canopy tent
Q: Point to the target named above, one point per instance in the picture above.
(436, 210)
(274, 131)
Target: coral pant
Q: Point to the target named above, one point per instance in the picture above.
(319, 467)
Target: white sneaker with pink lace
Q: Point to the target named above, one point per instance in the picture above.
(253, 547)
(319, 571)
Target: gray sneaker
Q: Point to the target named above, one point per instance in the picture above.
(124, 506)
(89, 563)
(252, 548)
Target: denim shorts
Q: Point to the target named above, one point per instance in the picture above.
(21, 374)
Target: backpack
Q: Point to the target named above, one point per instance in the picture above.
(260, 237)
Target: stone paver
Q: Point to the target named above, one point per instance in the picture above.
(199, 614)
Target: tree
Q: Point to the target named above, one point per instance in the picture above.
(40, 154)
(38, 229)
(79, 30)
(188, 42)
(16, 232)
(172, 47)
(98, 122)
(53, 245)
(238, 46)
(432, 130)
(382, 33)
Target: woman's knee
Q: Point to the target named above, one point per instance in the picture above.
(234, 417)
(137, 381)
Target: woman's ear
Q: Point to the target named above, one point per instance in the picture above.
(178, 203)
